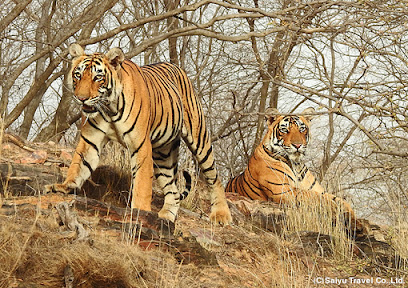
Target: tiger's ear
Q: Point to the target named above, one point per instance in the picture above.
(309, 113)
(76, 50)
(271, 114)
(115, 56)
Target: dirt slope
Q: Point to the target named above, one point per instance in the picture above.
(92, 239)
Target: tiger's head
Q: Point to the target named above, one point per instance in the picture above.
(288, 135)
(93, 79)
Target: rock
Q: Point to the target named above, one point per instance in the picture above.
(37, 157)
(24, 179)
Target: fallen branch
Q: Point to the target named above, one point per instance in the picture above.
(15, 140)
(68, 277)
(70, 220)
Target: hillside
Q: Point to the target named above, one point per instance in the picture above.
(92, 240)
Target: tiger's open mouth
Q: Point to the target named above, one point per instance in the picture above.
(88, 109)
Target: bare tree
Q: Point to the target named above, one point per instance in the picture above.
(348, 59)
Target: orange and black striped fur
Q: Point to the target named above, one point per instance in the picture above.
(147, 109)
(276, 171)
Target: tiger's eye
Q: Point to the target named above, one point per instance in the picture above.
(98, 78)
(77, 75)
(302, 129)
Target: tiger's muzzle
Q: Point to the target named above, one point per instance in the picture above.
(87, 105)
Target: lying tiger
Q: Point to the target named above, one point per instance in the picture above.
(148, 110)
(276, 171)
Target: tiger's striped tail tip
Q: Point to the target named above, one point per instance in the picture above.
(187, 188)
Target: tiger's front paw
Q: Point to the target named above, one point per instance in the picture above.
(63, 188)
(221, 214)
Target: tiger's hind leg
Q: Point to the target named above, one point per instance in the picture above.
(165, 169)
(202, 151)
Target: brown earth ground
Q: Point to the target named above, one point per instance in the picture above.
(91, 238)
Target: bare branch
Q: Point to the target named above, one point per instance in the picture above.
(13, 14)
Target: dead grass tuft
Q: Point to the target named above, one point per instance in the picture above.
(35, 252)
(323, 219)
(399, 239)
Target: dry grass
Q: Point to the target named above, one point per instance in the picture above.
(320, 218)
(1, 136)
(5, 181)
(38, 253)
(34, 250)
(117, 156)
(399, 239)
(291, 269)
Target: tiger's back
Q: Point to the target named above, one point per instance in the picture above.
(170, 86)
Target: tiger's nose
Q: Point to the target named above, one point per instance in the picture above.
(297, 145)
(82, 99)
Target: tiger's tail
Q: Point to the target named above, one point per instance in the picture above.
(187, 188)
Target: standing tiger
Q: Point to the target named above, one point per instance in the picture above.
(276, 171)
(147, 109)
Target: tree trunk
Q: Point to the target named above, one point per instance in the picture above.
(172, 23)
(274, 71)
(41, 36)
(62, 119)
(282, 47)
